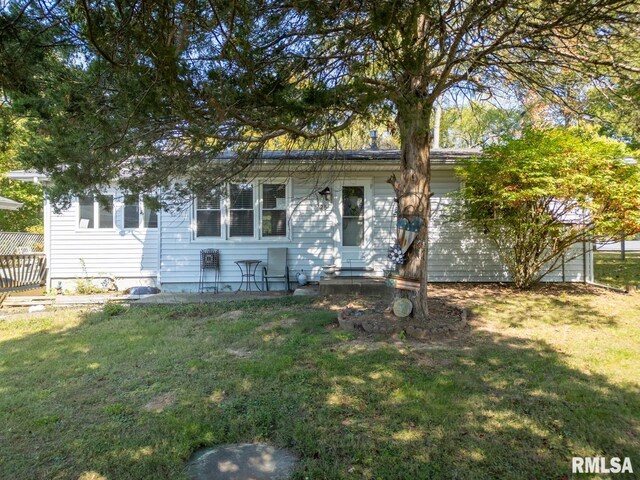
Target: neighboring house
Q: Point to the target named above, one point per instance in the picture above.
(351, 223)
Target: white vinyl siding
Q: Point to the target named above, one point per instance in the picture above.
(454, 253)
(131, 256)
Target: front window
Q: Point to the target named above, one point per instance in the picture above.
(274, 210)
(241, 210)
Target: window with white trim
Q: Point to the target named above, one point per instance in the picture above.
(241, 205)
(137, 214)
(87, 212)
(208, 217)
(274, 210)
(92, 208)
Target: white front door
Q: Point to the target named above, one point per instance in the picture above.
(354, 230)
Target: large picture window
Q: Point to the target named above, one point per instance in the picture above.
(246, 211)
(208, 217)
(241, 210)
(274, 210)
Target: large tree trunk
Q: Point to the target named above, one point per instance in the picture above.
(412, 189)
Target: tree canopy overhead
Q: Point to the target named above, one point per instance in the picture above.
(159, 88)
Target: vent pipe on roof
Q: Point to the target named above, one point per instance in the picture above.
(374, 139)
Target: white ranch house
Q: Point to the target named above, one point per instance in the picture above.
(139, 247)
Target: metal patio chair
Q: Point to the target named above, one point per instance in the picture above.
(276, 268)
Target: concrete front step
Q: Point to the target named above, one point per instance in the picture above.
(353, 285)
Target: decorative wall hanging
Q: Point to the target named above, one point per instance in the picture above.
(407, 230)
(395, 254)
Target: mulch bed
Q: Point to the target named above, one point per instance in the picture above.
(444, 318)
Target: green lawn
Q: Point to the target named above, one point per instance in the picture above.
(610, 270)
(538, 378)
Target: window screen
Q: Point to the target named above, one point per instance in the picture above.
(207, 217)
(105, 211)
(86, 212)
(131, 212)
(241, 210)
(274, 210)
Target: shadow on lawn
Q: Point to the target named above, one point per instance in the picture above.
(490, 406)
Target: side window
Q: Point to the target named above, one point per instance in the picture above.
(133, 206)
(86, 212)
(105, 211)
(241, 210)
(150, 218)
(95, 212)
(131, 211)
(208, 217)
(274, 210)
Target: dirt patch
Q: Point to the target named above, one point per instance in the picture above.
(232, 315)
(445, 318)
(239, 352)
(284, 323)
(160, 403)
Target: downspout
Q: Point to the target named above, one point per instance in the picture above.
(159, 268)
(584, 262)
(47, 239)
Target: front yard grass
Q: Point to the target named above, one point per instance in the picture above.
(611, 270)
(539, 377)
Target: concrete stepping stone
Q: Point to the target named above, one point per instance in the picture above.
(245, 461)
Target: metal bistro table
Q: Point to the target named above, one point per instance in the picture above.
(248, 273)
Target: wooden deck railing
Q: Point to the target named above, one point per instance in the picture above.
(21, 272)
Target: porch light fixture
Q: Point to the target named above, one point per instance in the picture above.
(325, 193)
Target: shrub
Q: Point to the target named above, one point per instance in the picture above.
(536, 196)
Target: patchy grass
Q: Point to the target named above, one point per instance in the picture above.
(611, 270)
(540, 377)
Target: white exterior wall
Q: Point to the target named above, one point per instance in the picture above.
(455, 254)
(131, 256)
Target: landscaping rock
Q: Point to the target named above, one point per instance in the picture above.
(248, 461)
